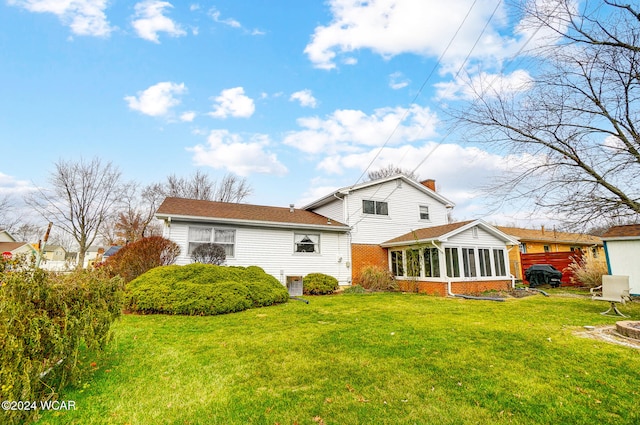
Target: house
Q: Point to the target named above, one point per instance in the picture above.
(622, 249)
(10, 247)
(287, 243)
(343, 232)
(540, 241)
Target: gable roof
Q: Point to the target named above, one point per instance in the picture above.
(12, 246)
(446, 231)
(257, 215)
(349, 189)
(553, 236)
(629, 231)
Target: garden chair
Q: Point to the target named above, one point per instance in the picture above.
(614, 289)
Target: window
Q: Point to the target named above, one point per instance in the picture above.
(431, 262)
(498, 261)
(546, 248)
(523, 248)
(306, 242)
(413, 263)
(453, 263)
(469, 262)
(397, 259)
(375, 207)
(424, 212)
(484, 255)
(594, 252)
(223, 237)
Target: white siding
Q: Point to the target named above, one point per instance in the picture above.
(484, 239)
(623, 260)
(404, 212)
(334, 210)
(273, 250)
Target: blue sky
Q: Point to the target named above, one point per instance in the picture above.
(297, 96)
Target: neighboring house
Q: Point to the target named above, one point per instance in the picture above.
(345, 231)
(54, 258)
(622, 248)
(10, 247)
(92, 256)
(111, 251)
(538, 241)
(54, 253)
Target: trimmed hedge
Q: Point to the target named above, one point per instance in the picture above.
(319, 284)
(203, 289)
(45, 318)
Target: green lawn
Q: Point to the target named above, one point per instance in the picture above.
(365, 359)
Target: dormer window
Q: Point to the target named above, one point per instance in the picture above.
(375, 207)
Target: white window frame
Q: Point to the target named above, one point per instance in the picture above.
(296, 242)
(420, 212)
(229, 247)
(375, 208)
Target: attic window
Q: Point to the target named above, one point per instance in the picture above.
(375, 207)
(424, 212)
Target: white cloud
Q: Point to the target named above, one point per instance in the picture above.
(215, 14)
(305, 97)
(158, 99)
(188, 116)
(393, 27)
(84, 17)
(149, 20)
(9, 185)
(347, 130)
(234, 103)
(398, 81)
(484, 85)
(227, 150)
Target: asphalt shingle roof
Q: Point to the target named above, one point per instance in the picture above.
(629, 230)
(245, 212)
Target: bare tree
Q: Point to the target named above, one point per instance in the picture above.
(7, 219)
(576, 123)
(79, 200)
(232, 189)
(391, 170)
(200, 186)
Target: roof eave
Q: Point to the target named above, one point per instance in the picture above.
(254, 223)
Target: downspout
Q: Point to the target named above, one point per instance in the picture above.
(348, 263)
(513, 278)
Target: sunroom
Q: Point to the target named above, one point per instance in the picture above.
(460, 258)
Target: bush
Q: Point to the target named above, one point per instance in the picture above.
(355, 289)
(203, 289)
(45, 319)
(209, 253)
(375, 278)
(319, 284)
(138, 257)
(588, 271)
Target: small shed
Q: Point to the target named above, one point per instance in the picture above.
(622, 248)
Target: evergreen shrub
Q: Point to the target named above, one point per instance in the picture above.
(203, 289)
(319, 284)
(46, 319)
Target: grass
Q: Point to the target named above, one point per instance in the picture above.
(365, 359)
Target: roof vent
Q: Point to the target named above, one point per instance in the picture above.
(291, 206)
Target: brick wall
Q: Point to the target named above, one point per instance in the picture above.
(464, 288)
(367, 255)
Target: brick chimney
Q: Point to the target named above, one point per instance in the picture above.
(430, 183)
